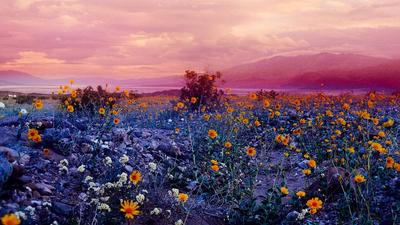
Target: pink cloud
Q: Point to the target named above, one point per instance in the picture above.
(153, 37)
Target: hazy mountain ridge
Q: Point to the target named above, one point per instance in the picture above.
(331, 71)
(335, 71)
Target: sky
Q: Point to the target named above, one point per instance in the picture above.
(151, 38)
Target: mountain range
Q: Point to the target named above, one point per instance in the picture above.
(327, 70)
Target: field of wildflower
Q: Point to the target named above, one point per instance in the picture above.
(108, 156)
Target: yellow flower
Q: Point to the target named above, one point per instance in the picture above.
(116, 121)
(251, 151)
(253, 96)
(257, 123)
(228, 144)
(212, 133)
(314, 203)
(266, 103)
(245, 121)
(307, 171)
(10, 219)
(182, 197)
(32, 133)
(381, 134)
(70, 108)
(311, 163)
(130, 208)
(389, 162)
(117, 88)
(135, 177)
(300, 194)
(346, 106)
(38, 104)
(284, 190)
(388, 123)
(230, 110)
(71, 81)
(102, 111)
(215, 168)
(359, 178)
(180, 105)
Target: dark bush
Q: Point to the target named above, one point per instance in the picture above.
(201, 87)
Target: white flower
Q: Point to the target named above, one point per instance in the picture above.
(104, 206)
(124, 159)
(46, 204)
(153, 167)
(108, 161)
(64, 162)
(169, 121)
(21, 215)
(31, 210)
(179, 222)
(155, 211)
(2, 105)
(54, 223)
(81, 168)
(88, 178)
(174, 192)
(140, 198)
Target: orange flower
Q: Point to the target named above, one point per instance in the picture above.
(182, 197)
(300, 194)
(257, 123)
(389, 162)
(130, 208)
(215, 168)
(228, 144)
(116, 121)
(38, 104)
(32, 133)
(311, 163)
(180, 105)
(135, 177)
(193, 100)
(10, 219)
(102, 111)
(212, 133)
(314, 203)
(284, 190)
(359, 178)
(251, 151)
(70, 109)
(46, 152)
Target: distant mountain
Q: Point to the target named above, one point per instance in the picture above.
(12, 77)
(385, 76)
(336, 71)
(275, 72)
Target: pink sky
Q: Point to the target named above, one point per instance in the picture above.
(144, 38)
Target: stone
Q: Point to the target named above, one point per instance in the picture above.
(6, 170)
(62, 208)
(42, 188)
(7, 137)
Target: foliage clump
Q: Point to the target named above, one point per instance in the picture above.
(201, 89)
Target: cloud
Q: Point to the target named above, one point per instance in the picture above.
(146, 37)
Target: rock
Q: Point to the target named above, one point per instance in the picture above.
(10, 154)
(128, 168)
(292, 216)
(6, 169)
(62, 208)
(9, 121)
(7, 137)
(42, 188)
